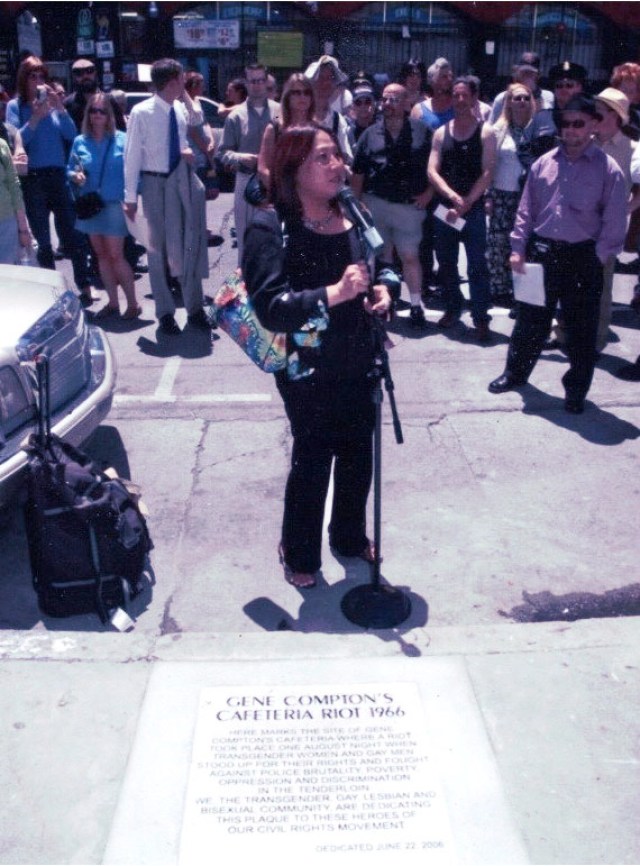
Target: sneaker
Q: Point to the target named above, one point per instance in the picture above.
(417, 319)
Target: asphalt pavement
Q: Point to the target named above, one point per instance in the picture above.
(508, 525)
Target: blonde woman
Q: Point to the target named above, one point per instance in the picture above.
(96, 164)
(513, 131)
(297, 107)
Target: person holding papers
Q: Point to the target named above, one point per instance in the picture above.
(571, 219)
(460, 169)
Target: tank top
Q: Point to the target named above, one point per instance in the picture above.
(461, 161)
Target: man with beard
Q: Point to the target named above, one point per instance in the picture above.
(85, 81)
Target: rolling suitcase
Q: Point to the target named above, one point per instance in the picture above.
(88, 539)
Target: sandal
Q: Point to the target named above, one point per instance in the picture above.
(132, 313)
(299, 579)
(106, 311)
(368, 554)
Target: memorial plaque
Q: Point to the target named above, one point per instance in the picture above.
(316, 772)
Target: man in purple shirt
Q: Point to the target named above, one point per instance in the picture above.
(571, 218)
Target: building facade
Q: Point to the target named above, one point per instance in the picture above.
(220, 38)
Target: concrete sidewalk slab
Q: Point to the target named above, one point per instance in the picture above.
(555, 705)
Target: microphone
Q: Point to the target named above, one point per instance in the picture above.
(362, 218)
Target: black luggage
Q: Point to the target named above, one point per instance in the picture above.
(88, 540)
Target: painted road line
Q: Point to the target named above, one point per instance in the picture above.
(168, 378)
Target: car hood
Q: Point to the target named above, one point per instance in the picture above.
(25, 296)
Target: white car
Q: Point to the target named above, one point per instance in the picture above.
(39, 313)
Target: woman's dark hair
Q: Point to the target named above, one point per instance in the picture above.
(191, 80)
(285, 102)
(413, 66)
(239, 85)
(29, 64)
(293, 147)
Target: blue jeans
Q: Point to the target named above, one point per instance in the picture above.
(447, 247)
(45, 191)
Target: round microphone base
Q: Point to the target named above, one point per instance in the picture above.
(375, 606)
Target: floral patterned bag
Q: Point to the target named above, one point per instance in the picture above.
(233, 311)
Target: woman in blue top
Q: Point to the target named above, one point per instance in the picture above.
(47, 131)
(96, 164)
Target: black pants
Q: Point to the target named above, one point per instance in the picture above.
(573, 277)
(329, 421)
(46, 191)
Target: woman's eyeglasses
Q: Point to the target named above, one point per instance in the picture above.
(523, 98)
(300, 92)
(572, 124)
(97, 111)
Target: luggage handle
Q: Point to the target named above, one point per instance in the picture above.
(44, 400)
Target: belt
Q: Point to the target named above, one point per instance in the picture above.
(156, 173)
(49, 171)
(563, 245)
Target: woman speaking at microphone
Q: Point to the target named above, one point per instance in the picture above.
(314, 289)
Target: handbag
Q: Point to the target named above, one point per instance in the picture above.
(88, 205)
(233, 310)
(91, 203)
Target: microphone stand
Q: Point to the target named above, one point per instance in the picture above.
(374, 604)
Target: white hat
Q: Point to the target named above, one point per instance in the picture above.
(313, 70)
(616, 100)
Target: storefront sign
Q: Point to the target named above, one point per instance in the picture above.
(280, 48)
(199, 33)
(85, 46)
(105, 49)
(29, 38)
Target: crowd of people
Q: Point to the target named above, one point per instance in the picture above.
(548, 177)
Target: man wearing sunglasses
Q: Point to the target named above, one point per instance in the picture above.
(85, 82)
(571, 219)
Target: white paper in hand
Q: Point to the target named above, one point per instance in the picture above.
(441, 213)
(529, 287)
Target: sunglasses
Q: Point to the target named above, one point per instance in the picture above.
(565, 85)
(300, 92)
(39, 75)
(523, 98)
(363, 101)
(572, 124)
(97, 111)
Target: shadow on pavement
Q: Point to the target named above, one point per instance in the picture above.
(191, 343)
(596, 425)
(320, 612)
(547, 607)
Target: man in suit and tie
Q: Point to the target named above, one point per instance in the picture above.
(156, 145)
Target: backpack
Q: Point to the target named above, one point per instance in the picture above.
(88, 539)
